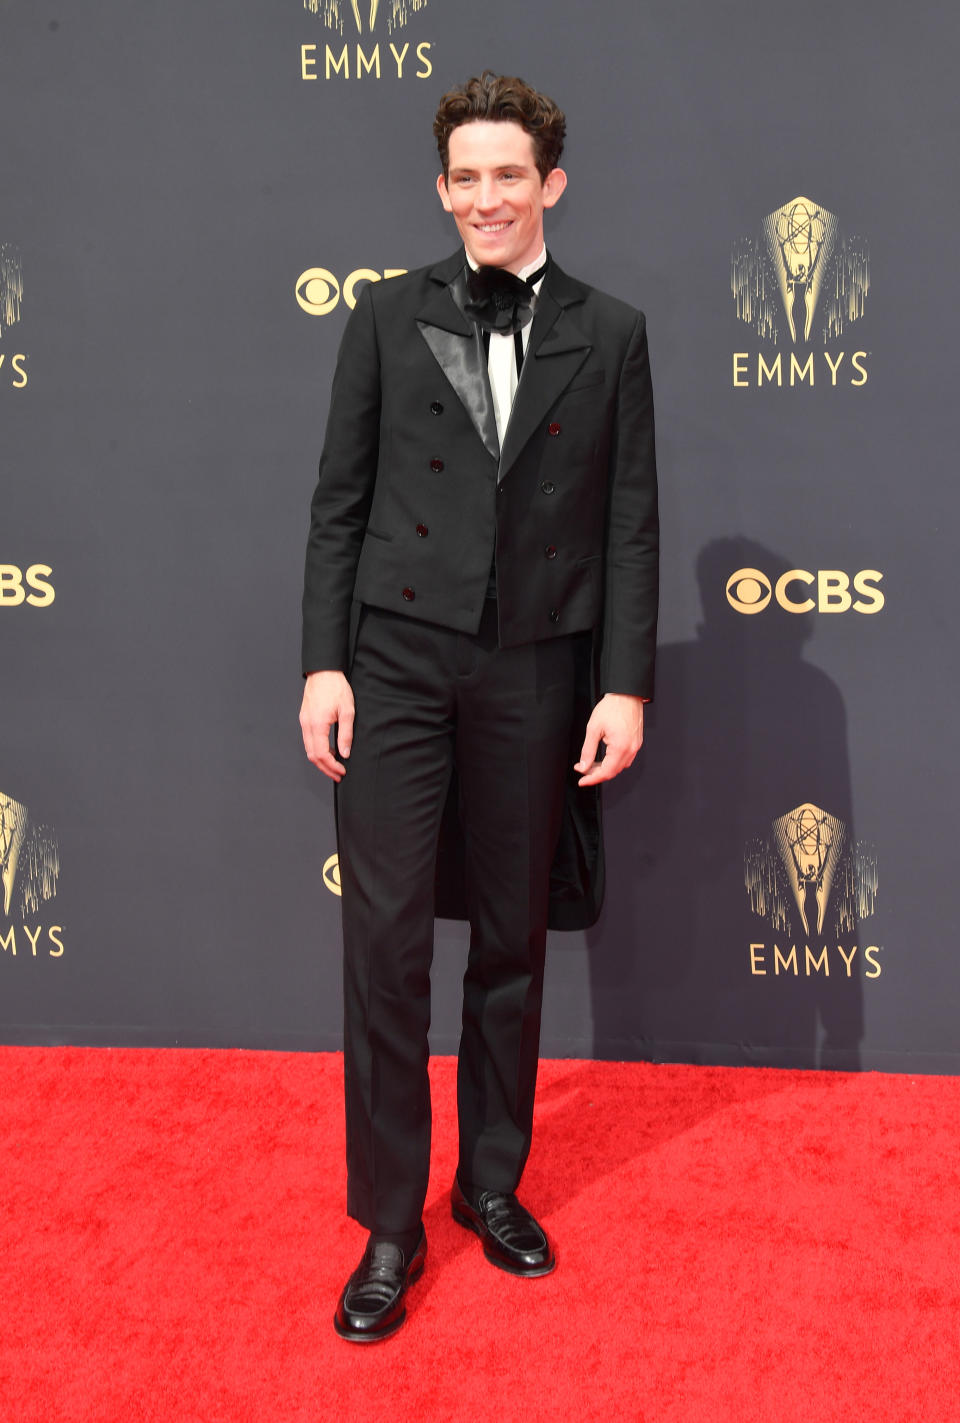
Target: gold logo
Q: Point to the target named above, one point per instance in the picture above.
(809, 842)
(11, 286)
(748, 590)
(357, 21)
(398, 12)
(29, 585)
(11, 298)
(811, 881)
(800, 262)
(797, 591)
(318, 291)
(331, 874)
(29, 860)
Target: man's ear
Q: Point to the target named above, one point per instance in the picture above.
(444, 195)
(553, 186)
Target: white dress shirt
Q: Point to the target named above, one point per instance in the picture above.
(502, 361)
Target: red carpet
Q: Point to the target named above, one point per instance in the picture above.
(734, 1244)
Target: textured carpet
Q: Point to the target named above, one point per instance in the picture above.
(734, 1244)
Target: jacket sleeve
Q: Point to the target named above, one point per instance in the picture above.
(341, 502)
(631, 569)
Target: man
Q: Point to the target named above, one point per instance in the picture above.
(482, 561)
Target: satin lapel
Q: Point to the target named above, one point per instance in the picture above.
(457, 347)
(556, 352)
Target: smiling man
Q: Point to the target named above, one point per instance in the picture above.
(479, 625)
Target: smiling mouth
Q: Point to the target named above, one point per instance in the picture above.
(493, 226)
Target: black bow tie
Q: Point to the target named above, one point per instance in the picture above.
(499, 301)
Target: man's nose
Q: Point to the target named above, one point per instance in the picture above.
(488, 194)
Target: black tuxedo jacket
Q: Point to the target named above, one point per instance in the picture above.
(415, 496)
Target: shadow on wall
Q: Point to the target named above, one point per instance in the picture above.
(736, 830)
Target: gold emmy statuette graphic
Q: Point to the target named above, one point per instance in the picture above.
(13, 826)
(811, 879)
(799, 263)
(11, 286)
(810, 842)
(29, 860)
(374, 4)
(800, 239)
(332, 12)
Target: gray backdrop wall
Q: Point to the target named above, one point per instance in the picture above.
(189, 197)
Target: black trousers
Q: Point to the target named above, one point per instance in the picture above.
(429, 700)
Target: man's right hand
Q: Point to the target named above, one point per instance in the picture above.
(327, 701)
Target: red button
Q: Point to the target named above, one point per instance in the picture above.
(549, 551)
(553, 428)
(408, 595)
(422, 531)
(436, 466)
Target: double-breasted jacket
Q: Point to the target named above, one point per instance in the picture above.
(416, 501)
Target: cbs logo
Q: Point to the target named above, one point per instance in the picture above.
(13, 592)
(318, 290)
(331, 874)
(750, 591)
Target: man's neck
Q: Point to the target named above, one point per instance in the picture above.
(524, 272)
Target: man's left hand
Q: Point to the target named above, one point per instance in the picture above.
(617, 721)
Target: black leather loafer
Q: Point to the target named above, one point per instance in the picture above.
(511, 1237)
(371, 1306)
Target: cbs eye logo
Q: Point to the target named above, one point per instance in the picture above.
(749, 591)
(318, 290)
(331, 874)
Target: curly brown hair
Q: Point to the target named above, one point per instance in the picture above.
(503, 98)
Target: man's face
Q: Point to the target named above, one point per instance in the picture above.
(495, 193)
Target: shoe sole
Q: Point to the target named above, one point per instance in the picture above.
(370, 1336)
(536, 1273)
